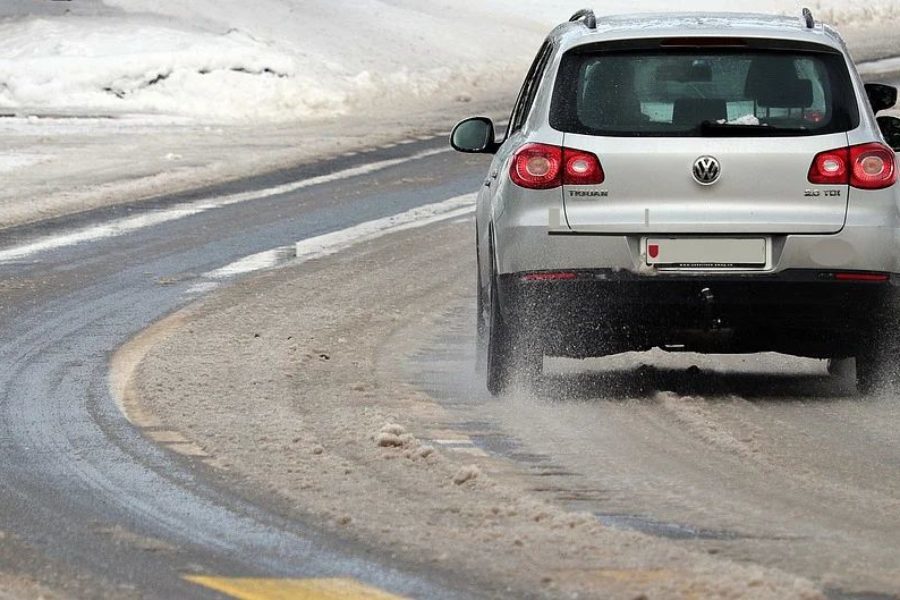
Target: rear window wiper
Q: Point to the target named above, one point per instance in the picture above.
(713, 128)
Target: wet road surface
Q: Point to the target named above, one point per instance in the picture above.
(86, 503)
(764, 459)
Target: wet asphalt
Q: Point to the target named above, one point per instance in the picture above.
(87, 504)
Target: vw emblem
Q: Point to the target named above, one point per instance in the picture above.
(706, 170)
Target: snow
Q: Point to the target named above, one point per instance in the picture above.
(125, 65)
(466, 473)
(287, 60)
(11, 161)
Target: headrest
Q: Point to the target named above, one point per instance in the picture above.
(794, 94)
(772, 82)
(693, 111)
(608, 98)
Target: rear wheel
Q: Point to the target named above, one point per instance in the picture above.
(513, 357)
(878, 361)
(481, 319)
(878, 370)
(841, 368)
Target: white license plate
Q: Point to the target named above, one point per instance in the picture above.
(707, 253)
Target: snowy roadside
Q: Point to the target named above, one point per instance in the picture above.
(123, 100)
(50, 167)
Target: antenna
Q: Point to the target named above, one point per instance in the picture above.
(587, 14)
(808, 18)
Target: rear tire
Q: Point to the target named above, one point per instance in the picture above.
(841, 368)
(868, 369)
(513, 357)
(878, 361)
(877, 371)
(481, 323)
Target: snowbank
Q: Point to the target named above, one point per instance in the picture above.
(116, 65)
(226, 60)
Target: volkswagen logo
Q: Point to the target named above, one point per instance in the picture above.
(706, 170)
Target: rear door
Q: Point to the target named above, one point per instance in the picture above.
(705, 140)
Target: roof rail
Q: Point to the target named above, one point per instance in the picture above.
(587, 15)
(808, 18)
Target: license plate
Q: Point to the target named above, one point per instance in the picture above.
(707, 253)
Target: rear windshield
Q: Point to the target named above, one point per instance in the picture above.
(703, 92)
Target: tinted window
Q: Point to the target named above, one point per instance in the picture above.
(703, 92)
(529, 88)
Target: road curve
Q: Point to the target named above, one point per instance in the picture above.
(87, 504)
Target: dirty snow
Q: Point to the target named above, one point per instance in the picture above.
(288, 60)
(466, 473)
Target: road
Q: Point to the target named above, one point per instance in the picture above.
(89, 505)
(765, 460)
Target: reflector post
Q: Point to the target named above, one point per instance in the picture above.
(862, 276)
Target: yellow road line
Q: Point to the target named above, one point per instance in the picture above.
(292, 589)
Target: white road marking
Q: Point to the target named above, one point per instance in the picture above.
(461, 446)
(331, 243)
(473, 451)
(129, 224)
(455, 442)
(204, 287)
(254, 262)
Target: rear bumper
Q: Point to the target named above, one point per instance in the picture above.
(522, 248)
(599, 311)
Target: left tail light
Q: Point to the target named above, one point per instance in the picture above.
(542, 166)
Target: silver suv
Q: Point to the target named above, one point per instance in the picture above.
(694, 182)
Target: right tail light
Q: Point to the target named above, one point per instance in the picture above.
(872, 166)
(866, 166)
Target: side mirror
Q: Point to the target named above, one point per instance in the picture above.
(890, 129)
(881, 96)
(475, 136)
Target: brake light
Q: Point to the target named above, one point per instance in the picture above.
(867, 166)
(830, 168)
(582, 168)
(701, 42)
(541, 166)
